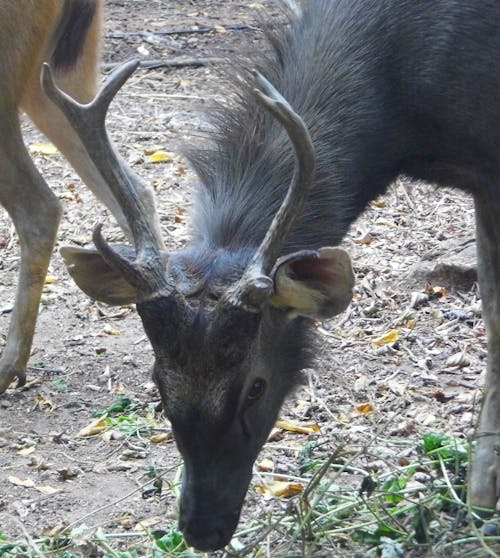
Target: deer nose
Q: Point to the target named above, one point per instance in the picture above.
(207, 533)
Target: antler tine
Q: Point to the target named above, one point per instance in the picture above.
(269, 250)
(88, 121)
(72, 108)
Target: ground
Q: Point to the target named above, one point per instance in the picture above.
(373, 401)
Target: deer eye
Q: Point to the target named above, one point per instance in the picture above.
(257, 389)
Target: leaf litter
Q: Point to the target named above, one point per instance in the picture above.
(404, 360)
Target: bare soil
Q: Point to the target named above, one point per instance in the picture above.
(86, 355)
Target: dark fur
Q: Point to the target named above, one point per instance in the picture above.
(71, 32)
(380, 99)
(386, 87)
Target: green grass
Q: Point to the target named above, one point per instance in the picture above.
(411, 505)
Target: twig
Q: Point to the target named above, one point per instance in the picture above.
(192, 31)
(176, 63)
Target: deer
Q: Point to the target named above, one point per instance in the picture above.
(66, 33)
(348, 95)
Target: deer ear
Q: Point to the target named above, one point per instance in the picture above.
(314, 284)
(96, 277)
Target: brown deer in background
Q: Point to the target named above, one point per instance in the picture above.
(66, 33)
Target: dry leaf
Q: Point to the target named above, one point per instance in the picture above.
(386, 339)
(361, 382)
(108, 330)
(160, 156)
(44, 403)
(27, 483)
(94, 428)
(67, 473)
(50, 279)
(458, 360)
(275, 435)
(266, 466)
(435, 291)
(159, 438)
(47, 490)
(27, 451)
(297, 427)
(364, 409)
(365, 240)
(40, 148)
(378, 203)
(280, 489)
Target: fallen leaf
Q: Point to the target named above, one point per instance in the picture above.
(163, 437)
(266, 466)
(378, 203)
(290, 426)
(458, 360)
(110, 331)
(160, 156)
(386, 339)
(67, 473)
(365, 240)
(27, 451)
(47, 490)
(27, 483)
(94, 428)
(40, 148)
(364, 409)
(280, 489)
(44, 403)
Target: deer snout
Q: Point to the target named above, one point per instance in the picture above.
(208, 531)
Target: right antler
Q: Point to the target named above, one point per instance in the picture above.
(255, 285)
(146, 273)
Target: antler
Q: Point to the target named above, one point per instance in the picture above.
(255, 285)
(147, 271)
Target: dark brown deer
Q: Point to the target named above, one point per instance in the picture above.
(67, 33)
(383, 88)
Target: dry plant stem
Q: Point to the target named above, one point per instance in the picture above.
(179, 63)
(251, 546)
(30, 541)
(67, 528)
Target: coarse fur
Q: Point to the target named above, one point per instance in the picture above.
(385, 87)
(375, 95)
(71, 32)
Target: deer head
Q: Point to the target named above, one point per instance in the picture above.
(223, 367)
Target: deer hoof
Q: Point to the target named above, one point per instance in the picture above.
(8, 374)
(484, 483)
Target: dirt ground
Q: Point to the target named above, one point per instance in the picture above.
(86, 355)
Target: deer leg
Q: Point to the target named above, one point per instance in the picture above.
(35, 212)
(484, 482)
